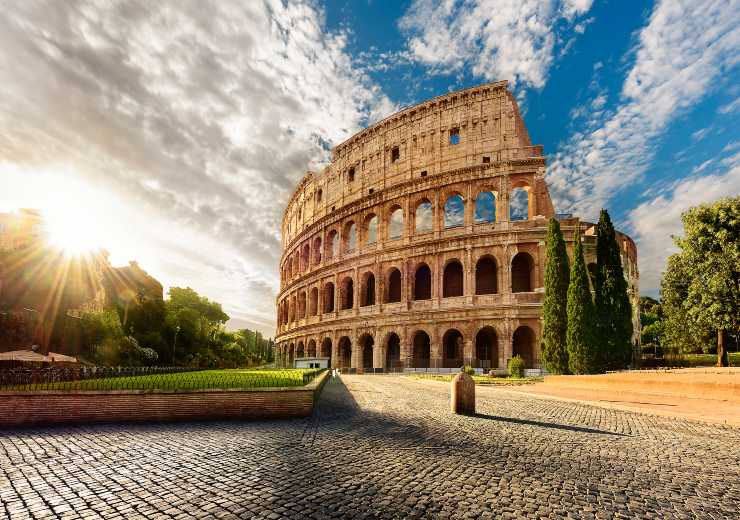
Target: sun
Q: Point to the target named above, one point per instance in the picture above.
(72, 233)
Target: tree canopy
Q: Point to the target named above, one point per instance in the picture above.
(554, 306)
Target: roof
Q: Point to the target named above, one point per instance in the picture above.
(31, 356)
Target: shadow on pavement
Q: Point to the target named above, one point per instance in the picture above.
(556, 426)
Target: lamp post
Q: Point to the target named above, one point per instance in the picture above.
(174, 344)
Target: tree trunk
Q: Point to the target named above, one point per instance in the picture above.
(722, 360)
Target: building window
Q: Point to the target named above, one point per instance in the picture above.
(318, 195)
(486, 159)
(372, 190)
(395, 154)
(455, 136)
(351, 175)
(424, 173)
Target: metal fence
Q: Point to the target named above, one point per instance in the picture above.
(149, 378)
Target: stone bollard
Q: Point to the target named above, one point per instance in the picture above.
(463, 394)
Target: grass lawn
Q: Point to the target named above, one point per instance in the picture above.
(197, 380)
(480, 380)
(694, 360)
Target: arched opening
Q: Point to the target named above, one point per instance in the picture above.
(394, 286)
(524, 346)
(291, 311)
(345, 353)
(350, 237)
(452, 283)
(395, 223)
(485, 276)
(317, 250)
(306, 257)
(423, 216)
(311, 349)
(452, 349)
(302, 305)
(422, 350)
(347, 294)
(326, 349)
(313, 303)
(366, 348)
(485, 208)
(522, 272)
(368, 290)
(486, 348)
(319, 195)
(329, 297)
(519, 204)
(291, 354)
(300, 351)
(371, 229)
(454, 211)
(393, 352)
(592, 274)
(423, 283)
(332, 245)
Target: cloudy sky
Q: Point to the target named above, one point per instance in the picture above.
(173, 132)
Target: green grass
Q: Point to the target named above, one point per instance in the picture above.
(695, 360)
(198, 380)
(480, 380)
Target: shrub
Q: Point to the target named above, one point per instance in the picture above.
(468, 370)
(516, 366)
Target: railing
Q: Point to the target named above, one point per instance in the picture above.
(149, 378)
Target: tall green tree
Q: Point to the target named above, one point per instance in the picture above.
(613, 308)
(701, 285)
(555, 302)
(582, 356)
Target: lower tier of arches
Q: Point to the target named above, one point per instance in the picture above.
(487, 345)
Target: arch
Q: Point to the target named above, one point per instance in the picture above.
(523, 344)
(452, 279)
(486, 347)
(454, 215)
(366, 343)
(319, 195)
(313, 302)
(350, 237)
(300, 350)
(485, 207)
(305, 257)
(345, 352)
(395, 223)
(592, 267)
(311, 348)
(394, 286)
(522, 272)
(347, 293)
(302, 305)
(317, 250)
(485, 276)
(452, 349)
(367, 297)
(421, 350)
(519, 203)
(423, 283)
(332, 245)
(329, 297)
(371, 228)
(326, 349)
(393, 352)
(291, 354)
(423, 216)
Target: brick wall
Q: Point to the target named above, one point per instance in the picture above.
(27, 408)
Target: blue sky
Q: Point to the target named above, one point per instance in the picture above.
(173, 132)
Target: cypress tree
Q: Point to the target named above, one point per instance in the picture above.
(582, 357)
(613, 308)
(554, 305)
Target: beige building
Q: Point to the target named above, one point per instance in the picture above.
(422, 243)
(19, 230)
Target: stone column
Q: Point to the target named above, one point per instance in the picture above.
(334, 352)
(505, 346)
(407, 349)
(469, 288)
(435, 349)
(468, 354)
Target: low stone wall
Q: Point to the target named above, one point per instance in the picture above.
(52, 407)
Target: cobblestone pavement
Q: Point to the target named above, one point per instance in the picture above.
(381, 447)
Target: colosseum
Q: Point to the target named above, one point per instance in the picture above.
(421, 245)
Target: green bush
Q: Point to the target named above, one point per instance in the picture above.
(516, 366)
(468, 370)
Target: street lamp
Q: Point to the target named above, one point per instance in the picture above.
(174, 344)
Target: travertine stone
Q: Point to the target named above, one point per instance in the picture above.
(375, 291)
(462, 394)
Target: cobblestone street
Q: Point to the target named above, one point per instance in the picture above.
(381, 447)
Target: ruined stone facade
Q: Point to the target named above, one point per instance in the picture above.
(422, 243)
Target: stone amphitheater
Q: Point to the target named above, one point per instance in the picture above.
(422, 243)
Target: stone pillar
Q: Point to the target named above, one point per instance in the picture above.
(334, 352)
(468, 353)
(407, 349)
(435, 350)
(505, 347)
(469, 269)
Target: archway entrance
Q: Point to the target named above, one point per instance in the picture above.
(423, 283)
(311, 348)
(326, 349)
(452, 282)
(393, 353)
(486, 348)
(452, 349)
(366, 347)
(345, 353)
(524, 345)
(422, 346)
(522, 269)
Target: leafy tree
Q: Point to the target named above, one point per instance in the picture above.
(613, 308)
(651, 324)
(554, 307)
(701, 285)
(582, 355)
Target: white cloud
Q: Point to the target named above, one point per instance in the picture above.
(730, 108)
(200, 117)
(700, 134)
(678, 57)
(655, 222)
(499, 39)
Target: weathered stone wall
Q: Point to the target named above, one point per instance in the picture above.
(353, 282)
